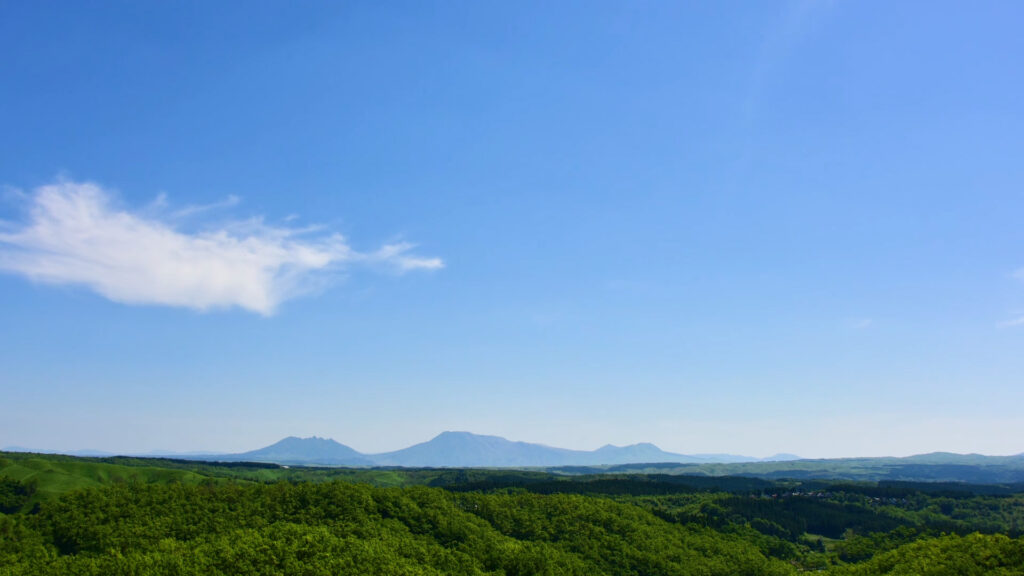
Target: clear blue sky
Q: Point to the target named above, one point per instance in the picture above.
(745, 227)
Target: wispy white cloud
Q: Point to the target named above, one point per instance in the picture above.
(75, 234)
(192, 209)
(861, 323)
(397, 255)
(1017, 318)
(1018, 321)
(778, 44)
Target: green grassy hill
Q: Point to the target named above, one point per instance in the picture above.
(54, 475)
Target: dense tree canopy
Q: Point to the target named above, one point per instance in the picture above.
(67, 516)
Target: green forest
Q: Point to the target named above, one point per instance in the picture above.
(65, 515)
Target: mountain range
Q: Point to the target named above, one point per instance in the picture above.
(465, 449)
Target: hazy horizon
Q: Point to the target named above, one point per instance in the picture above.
(778, 227)
(694, 452)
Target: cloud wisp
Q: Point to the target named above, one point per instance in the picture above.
(1017, 318)
(75, 235)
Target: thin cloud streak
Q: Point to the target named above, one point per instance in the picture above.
(398, 255)
(74, 235)
(1019, 321)
(190, 210)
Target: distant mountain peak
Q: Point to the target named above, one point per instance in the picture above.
(461, 434)
(461, 448)
(313, 450)
(637, 446)
(781, 457)
(643, 445)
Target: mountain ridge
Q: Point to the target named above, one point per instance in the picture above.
(462, 449)
(303, 451)
(453, 449)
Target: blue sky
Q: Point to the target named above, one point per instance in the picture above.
(718, 227)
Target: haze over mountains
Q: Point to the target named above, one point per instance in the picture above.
(465, 449)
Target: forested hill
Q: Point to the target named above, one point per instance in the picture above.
(100, 516)
(939, 467)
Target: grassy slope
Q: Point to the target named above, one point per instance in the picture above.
(55, 475)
